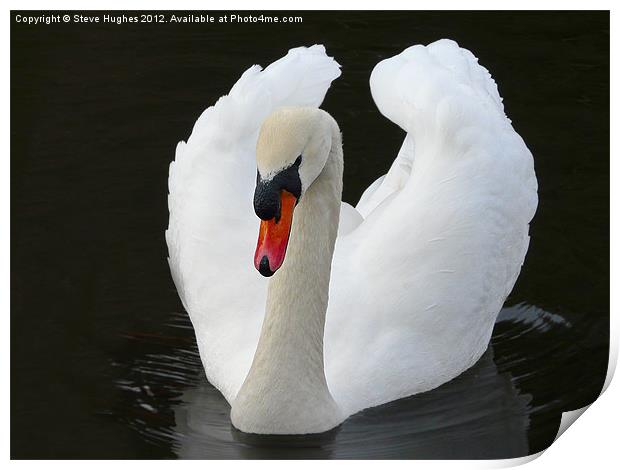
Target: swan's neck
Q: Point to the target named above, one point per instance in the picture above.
(285, 391)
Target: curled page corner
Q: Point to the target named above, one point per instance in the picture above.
(568, 418)
(515, 462)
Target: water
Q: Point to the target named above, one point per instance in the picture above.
(103, 358)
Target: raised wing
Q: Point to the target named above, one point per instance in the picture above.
(212, 228)
(416, 286)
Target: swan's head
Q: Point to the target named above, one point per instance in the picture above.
(292, 148)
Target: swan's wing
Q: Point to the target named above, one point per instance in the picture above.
(404, 90)
(417, 285)
(350, 219)
(212, 227)
(391, 182)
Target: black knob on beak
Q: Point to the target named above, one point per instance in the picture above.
(267, 192)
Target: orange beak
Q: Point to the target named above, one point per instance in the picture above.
(273, 237)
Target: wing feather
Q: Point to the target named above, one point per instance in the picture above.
(212, 230)
(417, 285)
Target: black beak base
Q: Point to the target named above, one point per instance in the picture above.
(267, 192)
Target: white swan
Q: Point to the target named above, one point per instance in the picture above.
(421, 266)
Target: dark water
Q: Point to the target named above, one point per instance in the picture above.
(103, 358)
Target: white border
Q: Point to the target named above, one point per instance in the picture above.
(311, 5)
(590, 442)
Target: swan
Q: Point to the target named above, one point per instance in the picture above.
(367, 304)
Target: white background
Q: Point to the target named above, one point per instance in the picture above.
(592, 442)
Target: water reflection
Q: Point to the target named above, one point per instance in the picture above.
(492, 410)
